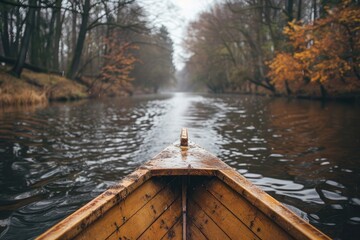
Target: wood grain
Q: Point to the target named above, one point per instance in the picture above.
(142, 219)
(174, 233)
(119, 214)
(287, 220)
(163, 224)
(253, 218)
(227, 221)
(204, 223)
(194, 232)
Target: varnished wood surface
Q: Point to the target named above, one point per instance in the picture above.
(147, 215)
(117, 216)
(206, 225)
(192, 160)
(174, 233)
(165, 222)
(94, 210)
(219, 204)
(250, 216)
(220, 214)
(296, 227)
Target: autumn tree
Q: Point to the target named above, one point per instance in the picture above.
(119, 62)
(324, 52)
(237, 37)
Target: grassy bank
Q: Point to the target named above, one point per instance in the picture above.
(37, 88)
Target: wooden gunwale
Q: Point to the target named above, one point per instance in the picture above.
(290, 222)
(184, 161)
(75, 223)
(248, 214)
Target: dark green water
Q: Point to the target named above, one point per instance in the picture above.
(55, 159)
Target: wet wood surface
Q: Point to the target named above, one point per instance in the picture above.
(253, 218)
(77, 222)
(174, 233)
(225, 219)
(147, 215)
(192, 160)
(204, 223)
(165, 222)
(184, 193)
(291, 223)
(122, 212)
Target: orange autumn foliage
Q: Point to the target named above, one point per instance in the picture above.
(119, 62)
(325, 52)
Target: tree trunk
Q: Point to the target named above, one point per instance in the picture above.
(56, 42)
(35, 42)
(73, 29)
(288, 89)
(298, 18)
(267, 13)
(315, 9)
(17, 69)
(323, 92)
(80, 41)
(49, 50)
(19, 26)
(289, 10)
(5, 33)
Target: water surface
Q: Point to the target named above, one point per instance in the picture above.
(55, 159)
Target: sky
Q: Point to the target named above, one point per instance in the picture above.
(187, 10)
(175, 15)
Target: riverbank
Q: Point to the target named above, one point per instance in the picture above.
(37, 88)
(40, 88)
(334, 91)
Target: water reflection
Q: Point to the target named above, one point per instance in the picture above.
(55, 159)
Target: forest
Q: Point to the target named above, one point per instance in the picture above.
(62, 49)
(301, 48)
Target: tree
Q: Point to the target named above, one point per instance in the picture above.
(155, 68)
(323, 52)
(85, 26)
(80, 40)
(30, 19)
(119, 62)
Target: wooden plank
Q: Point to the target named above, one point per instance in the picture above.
(175, 160)
(117, 216)
(190, 160)
(183, 171)
(228, 222)
(163, 224)
(142, 220)
(85, 216)
(183, 204)
(253, 218)
(204, 223)
(194, 232)
(291, 223)
(175, 233)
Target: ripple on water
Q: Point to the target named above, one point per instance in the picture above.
(332, 196)
(56, 159)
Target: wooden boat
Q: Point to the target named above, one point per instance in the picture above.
(184, 193)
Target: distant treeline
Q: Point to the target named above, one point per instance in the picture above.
(295, 47)
(103, 44)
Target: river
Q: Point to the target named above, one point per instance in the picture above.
(304, 153)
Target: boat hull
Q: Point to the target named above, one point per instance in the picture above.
(184, 193)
